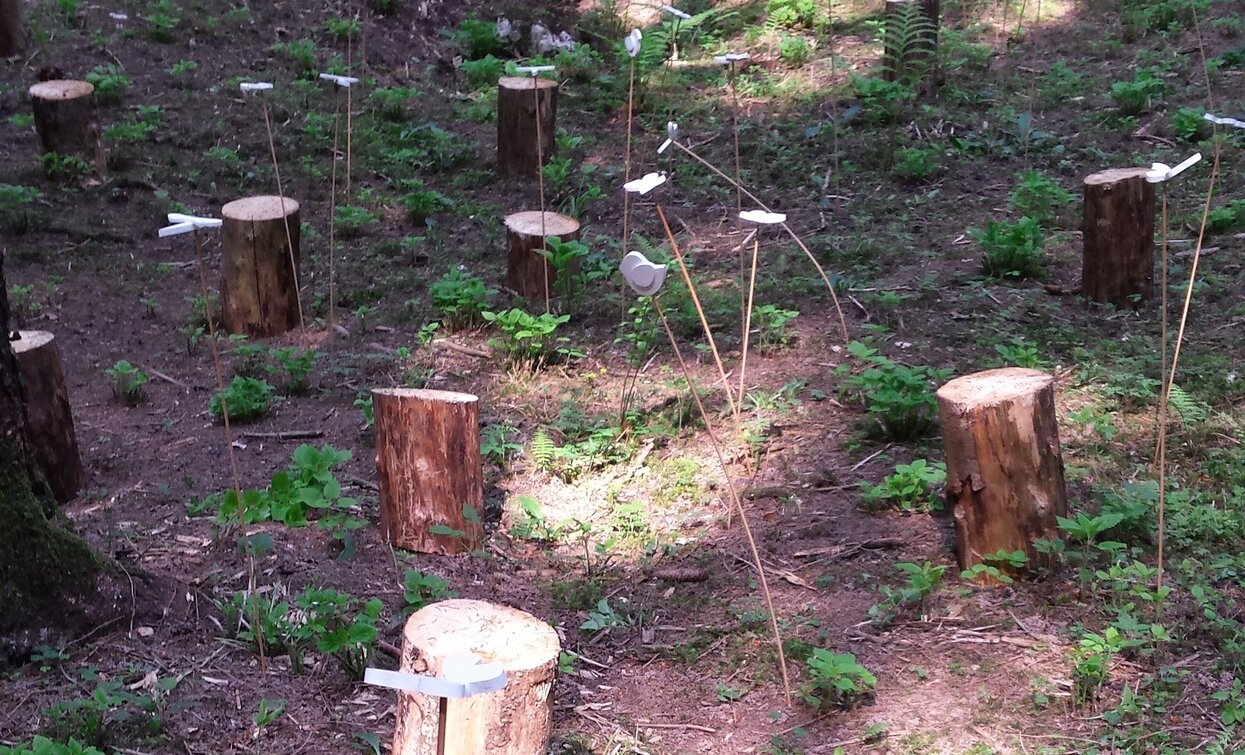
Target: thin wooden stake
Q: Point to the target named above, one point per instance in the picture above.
(540, 177)
(752, 282)
(285, 222)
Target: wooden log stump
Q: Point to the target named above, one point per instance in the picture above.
(50, 428)
(516, 720)
(529, 274)
(259, 266)
(520, 101)
(911, 42)
(1118, 258)
(67, 121)
(431, 474)
(1004, 469)
(12, 34)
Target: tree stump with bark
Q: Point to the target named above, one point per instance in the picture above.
(49, 428)
(259, 266)
(527, 273)
(515, 720)
(12, 34)
(431, 474)
(910, 43)
(1118, 258)
(527, 110)
(1004, 470)
(67, 121)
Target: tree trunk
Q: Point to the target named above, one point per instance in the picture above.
(52, 585)
(1004, 470)
(259, 272)
(50, 428)
(516, 720)
(68, 122)
(12, 35)
(431, 476)
(520, 152)
(1118, 260)
(529, 274)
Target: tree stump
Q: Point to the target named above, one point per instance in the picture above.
(529, 274)
(431, 475)
(519, 101)
(49, 426)
(12, 35)
(259, 270)
(516, 720)
(1004, 470)
(67, 121)
(911, 42)
(1118, 260)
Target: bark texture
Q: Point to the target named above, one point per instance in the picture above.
(1004, 470)
(431, 475)
(527, 273)
(520, 101)
(1118, 259)
(49, 430)
(67, 121)
(259, 285)
(12, 34)
(516, 720)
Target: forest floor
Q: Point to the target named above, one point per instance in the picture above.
(619, 533)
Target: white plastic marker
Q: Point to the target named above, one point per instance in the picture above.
(731, 57)
(632, 42)
(1234, 123)
(761, 217)
(676, 13)
(254, 86)
(672, 133)
(1159, 172)
(187, 223)
(645, 184)
(533, 71)
(341, 81)
(462, 676)
(644, 277)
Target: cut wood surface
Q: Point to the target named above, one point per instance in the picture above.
(516, 720)
(259, 286)
(67, 121)
(49, 429)
(519, 99)
(431, 472)
(1004, 469)
(529, 274)
(1118, 252)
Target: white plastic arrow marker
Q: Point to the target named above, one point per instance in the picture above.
(463, 676)
(341, 81)
(644, 277)
(1159, 172)
(187, 223)
(762, 217)
(672, 133)
(1234, 123)
(632, 42)
(731, 57)
(534, 71)
(645, 184)
(254, 86)
(676, 12)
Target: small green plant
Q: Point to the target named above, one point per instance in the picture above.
(772, 333)
(911, 488)
(422, 203)
(603, 616)
(916, 163)
(795, 51)
(110, 82)
(899, 399)
(1011, 249)
(497, 445)
(162, 21)
(476, 39)
(528, 339)
(245, 398)
(110, 715)
(268, 711)
(483, 72)
(882, 101)
(140, 129)
(183, 68)
(45, 746)
(921, 581)
(1189, 124)
(1136, 96)
(364, 402)
(1039, 197)
(419, 589)
(350, 221)
(461, 298)
(1232, 700)
(127, 382)
(300, 52)
(564, 257)
(65, 168)
(1019, 352)
(791, 13)
(337, 625)
(343, 28)
(16, 207)
(292, 366)
(835, 680)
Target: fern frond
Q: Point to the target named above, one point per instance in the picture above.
(909, 41)
(1191, 411)
(543, 450)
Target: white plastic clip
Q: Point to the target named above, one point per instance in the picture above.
(1234, 123)
(632, 42)
(534, 71)
(254, 86)
(645, 183)
(1159, 172)
(341, 81)
(462, 676)
(672, 133)
(181, 223)
(676, 12)
(731, 58)
(761, 217)
(644, 277)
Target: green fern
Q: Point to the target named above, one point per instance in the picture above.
(909, 38)
(543, 450)
(1191, 411)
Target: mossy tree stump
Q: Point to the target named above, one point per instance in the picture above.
(523, 146)
(259, 266)
(1118, 254)
(67, 121)
(50, 428)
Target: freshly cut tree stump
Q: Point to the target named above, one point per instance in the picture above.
(431, 475)
(67, 121)
(1004, 470)
(12, 35)
(515, 720)
(50, 427)
(911, 42)
(1118, 261)
(259, 285)
(529, 274)
(519, 152)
